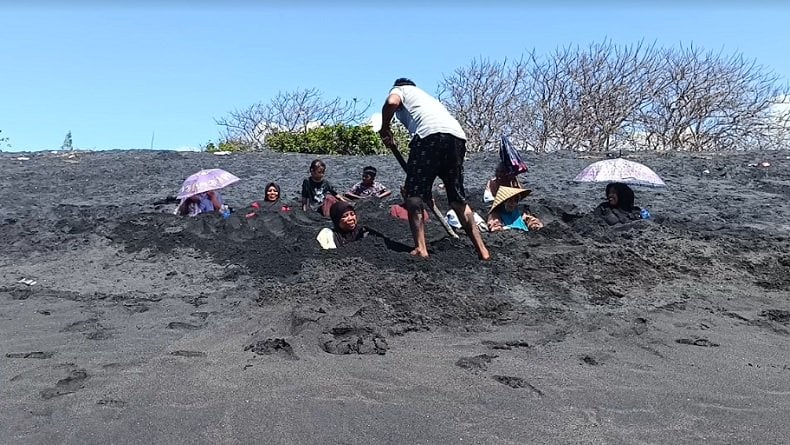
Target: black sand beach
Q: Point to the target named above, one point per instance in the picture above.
(143, 327)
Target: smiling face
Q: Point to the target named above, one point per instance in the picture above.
(348, 221)
(272, 194)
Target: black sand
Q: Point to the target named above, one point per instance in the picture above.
(147, 328)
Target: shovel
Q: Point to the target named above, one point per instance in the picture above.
(439, 216)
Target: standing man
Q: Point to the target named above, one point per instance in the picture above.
(438, 147)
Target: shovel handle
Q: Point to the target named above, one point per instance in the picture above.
(436, 212)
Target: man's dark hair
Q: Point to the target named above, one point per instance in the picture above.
(404, 81)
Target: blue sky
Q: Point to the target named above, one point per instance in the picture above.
(114, 75)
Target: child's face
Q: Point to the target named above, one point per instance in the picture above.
(511, 204)
(318, 173)
(367, 179)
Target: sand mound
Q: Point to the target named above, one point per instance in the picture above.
(134, 311)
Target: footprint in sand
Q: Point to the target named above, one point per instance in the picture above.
(182, 325)
(182, 353)
(777, 315)
(91, 328)
(476, 363)
(697, 341)
(591, 360)
(70, 384)
(505, 345)
(135, 307)
(200, 314)
(34, 354)
(516, 382)
(273, 346)
(114, 403)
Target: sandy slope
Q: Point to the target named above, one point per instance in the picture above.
(147, 328)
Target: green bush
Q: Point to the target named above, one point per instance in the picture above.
(334, 140)
(226, 145)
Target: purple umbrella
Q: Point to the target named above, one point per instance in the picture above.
(620, 170)
(205, 180)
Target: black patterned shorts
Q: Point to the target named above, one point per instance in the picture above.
(441, 155)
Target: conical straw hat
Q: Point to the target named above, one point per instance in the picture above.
(505, 193)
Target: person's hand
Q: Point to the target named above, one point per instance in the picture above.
(387, 138)
(494, 225)
(534, 223)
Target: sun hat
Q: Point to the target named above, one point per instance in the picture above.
(505, 193)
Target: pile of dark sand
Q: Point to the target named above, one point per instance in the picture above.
(674, 327)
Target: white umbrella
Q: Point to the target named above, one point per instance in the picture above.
(620, 170)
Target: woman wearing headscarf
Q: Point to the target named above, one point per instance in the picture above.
(346, 228)
(619, 205)
(505, 213)
(272, 201)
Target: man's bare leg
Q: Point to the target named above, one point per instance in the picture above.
(467, 220)
(417, 225)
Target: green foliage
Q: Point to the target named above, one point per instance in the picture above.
(332, 140)
(226, 145)
(401, 136)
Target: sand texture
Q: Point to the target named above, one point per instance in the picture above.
(143, 327)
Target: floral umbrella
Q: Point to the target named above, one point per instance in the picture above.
(620, 170)
(205, 180)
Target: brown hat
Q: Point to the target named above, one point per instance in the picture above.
(505, 193)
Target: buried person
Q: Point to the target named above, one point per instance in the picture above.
(501, 178)
(619, 205)
(505, 213)
(438, 147)
(207, 202)
(272, 201)
(345, 227)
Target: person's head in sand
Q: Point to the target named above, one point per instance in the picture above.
(206, 202)
(505, 213)
(507, 199)
(317, 170)
(619, 196)
(619, 205)
(343, 216)
(345, 227)
(271, 192)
